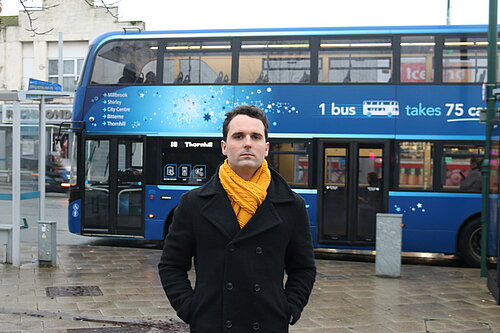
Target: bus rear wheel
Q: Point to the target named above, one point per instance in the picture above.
(469, 243)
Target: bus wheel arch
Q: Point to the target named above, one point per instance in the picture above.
(469, 240)
(168, 222)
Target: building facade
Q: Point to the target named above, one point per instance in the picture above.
(29, 48)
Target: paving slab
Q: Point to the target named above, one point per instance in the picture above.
(117, 289)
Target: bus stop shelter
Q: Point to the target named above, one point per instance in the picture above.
(11, 231)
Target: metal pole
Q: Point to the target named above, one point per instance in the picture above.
(60, 67)
(42, 151)
(490, 114)
(16, 183)
(448, 13)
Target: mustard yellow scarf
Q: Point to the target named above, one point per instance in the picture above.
(245, 195)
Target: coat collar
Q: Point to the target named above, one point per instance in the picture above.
(220, 213)
(278, 190)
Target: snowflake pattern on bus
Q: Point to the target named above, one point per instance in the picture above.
(179, 108)
(419, 207)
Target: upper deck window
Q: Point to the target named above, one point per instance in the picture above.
(125, 62)
(274, 61)
(197, 62)
(417, 59)
(465, 59)
(355, 60)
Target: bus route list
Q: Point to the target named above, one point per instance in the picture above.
(114, 114)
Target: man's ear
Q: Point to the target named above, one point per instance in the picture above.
(267, 148)
(223, 147)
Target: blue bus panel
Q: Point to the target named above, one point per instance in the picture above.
(424, 214)
(423, 111)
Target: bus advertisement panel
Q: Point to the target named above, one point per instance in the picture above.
(300, 111)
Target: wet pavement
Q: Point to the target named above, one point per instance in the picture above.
(100, 288)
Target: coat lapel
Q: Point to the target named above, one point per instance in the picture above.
(219, 211)
(266, 217)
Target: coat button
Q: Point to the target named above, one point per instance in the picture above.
(229, 324)
(256, 326)
(256, 287)
(229, 286)
(258, 250)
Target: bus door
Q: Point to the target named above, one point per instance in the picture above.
(113, 198)
(353, 178)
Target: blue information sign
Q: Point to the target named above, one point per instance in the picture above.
(34, 84)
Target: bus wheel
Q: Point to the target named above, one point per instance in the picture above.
(469, 243)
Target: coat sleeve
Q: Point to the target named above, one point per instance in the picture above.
(176, 260)
(299, 264)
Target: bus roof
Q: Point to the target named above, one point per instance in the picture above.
(293, 32)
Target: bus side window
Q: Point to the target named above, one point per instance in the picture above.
(124, 62)
(465, 59)
(415, 165)
(204, 62)
(276, 61)
(462, 167)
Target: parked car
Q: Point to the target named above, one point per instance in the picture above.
(56, 174)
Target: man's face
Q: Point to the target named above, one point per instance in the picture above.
(245, 146)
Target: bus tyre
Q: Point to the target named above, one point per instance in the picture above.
(469, 243)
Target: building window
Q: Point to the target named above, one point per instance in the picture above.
(71, 71)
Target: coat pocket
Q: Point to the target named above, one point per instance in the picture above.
(284, 304)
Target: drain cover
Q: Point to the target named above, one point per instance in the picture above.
(73, 291)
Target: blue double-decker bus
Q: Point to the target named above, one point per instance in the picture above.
(362, 120)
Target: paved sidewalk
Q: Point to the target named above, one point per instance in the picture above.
(121, 292)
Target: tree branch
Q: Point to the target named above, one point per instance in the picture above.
(34, 31)
(105, 5)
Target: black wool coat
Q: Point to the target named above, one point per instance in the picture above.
(239, 272)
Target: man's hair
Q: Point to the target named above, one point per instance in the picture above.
(247, 110)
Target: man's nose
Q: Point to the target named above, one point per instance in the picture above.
(248, 141)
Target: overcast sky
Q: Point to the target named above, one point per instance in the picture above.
(215, 14)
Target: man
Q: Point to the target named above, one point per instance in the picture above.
(244, 228)
(472, 181)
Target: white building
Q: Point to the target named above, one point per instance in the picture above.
(24, 54)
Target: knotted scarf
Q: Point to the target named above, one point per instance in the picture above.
(245, 195)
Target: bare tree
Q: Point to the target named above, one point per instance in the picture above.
(31, 19)
(33, 29)
(105, 4)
